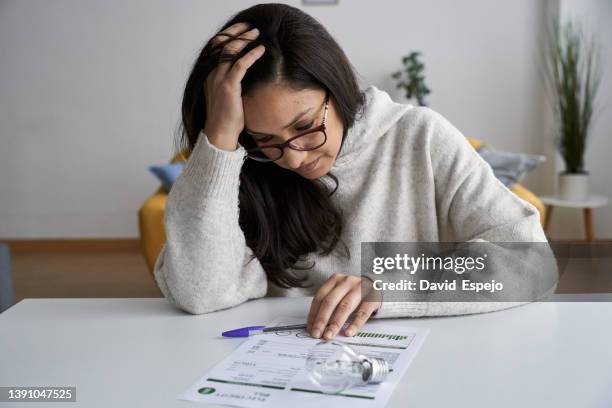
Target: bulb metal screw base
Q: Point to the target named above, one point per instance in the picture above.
(376, 370)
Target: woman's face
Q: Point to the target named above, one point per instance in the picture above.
(268, 109)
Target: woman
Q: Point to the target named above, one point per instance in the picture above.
(338, 167)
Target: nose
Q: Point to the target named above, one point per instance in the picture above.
(294, 158)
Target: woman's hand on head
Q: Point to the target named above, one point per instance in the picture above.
(223, 89)
(339, 298)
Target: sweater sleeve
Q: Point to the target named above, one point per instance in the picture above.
(472, 205)
(205, 264)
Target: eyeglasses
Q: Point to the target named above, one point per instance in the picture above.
(312, 139)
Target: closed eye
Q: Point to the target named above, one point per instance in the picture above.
(264, 139)
(305, 127)
(268, 139)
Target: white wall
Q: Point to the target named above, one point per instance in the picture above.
(90, 91)
(596, 16)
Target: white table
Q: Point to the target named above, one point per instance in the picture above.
(143, 352)
(594, 201)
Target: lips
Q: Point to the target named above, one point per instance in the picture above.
(309, 167)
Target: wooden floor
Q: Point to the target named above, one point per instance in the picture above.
(120, 271)
(84, 273)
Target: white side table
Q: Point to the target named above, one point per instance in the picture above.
(593, 201)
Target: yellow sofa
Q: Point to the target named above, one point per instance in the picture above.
(151, 221)
(151, 214)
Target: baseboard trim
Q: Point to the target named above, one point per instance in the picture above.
(60, 245)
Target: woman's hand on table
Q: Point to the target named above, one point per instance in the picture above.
(339, 298)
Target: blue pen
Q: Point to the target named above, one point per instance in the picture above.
(251, 330)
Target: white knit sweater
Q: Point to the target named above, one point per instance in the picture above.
(405, 174)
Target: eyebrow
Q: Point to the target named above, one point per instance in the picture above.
(297, 117)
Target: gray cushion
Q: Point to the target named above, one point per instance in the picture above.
(509, 167)
(7, 296)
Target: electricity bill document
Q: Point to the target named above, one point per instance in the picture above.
(269, 370)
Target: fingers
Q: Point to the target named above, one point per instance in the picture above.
(361, 316)
(336, 300)
(240, 67)
(230, 71)
(345, 307)
(233, 40)
(329, 303)
(229, 32)
(235, 45)
(318, 298)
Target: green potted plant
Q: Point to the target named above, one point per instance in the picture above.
(573, 72)
(412, 78)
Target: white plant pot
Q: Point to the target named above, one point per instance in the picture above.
(573, 186)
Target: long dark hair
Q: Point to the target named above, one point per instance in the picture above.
(283, 215)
